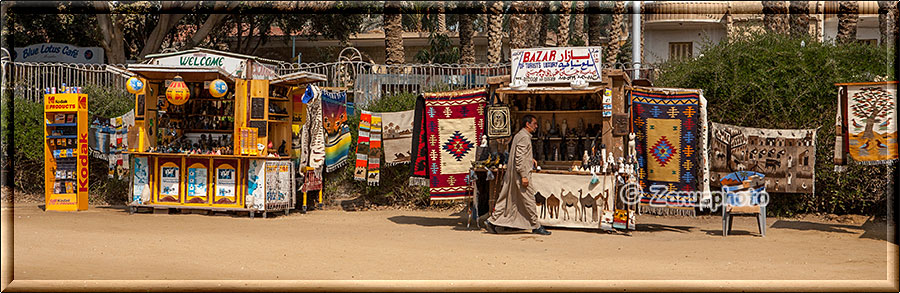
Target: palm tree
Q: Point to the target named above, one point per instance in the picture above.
(543, 24)
(495, 32)
(616, 35)
(441, 18)
(848, 18)
(518, 25)
(393, 34)
(799, 18)
(578, 30)
(562, 38)
(595, 31)
(466, 39)
(775, 16)
(887, 21)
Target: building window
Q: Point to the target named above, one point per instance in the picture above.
(873, 42)
(678, 50)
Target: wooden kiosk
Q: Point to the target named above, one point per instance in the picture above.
(574, 119)
(228, 153)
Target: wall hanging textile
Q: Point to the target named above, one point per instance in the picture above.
(362, 146)
(867, 130)
(313, 133)
(498, 121)
(337, 132)
(375, 150)
(670, 127)
(453, 123)
(571, 200)
(419, 147)
(787, 157)
(397, 136)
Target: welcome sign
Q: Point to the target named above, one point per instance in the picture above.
(233, 65)
(57, 52)
(556, 65)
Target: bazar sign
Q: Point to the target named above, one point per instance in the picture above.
(57, 52)
(556, 65)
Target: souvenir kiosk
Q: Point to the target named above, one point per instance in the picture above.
(214, 133)
(582, 138)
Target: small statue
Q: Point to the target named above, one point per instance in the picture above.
(563, 128)
(282, 148)
(631, 146)
(585, 158)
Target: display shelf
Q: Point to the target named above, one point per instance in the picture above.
(62, 136)
(209, 130)
(279, 99)
(209, 115)
(61, 124)
(279, 115)
(279, 121)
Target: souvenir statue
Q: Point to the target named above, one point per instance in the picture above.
(281, 148)
(610, 163)
(554, 130)
(563, 128)
(547, 128)
(631, 146)
(546, 147)
(571, 150)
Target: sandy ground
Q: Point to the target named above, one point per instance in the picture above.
(107, 243)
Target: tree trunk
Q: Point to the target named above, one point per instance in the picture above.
(441, 18)
(159, 33)
(113, 38)
(848, 18)
(887, 21)
(775, 16)
(466, 39)
(562, 38)
(595, 31)
(518, 26)
(615, 34)
(495, 32)
(543, 27)
(393, 37)
(799, 18)
(578, 30)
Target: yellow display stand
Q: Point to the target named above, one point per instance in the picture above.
(66, 152)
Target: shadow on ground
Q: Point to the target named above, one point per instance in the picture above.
(870, 229)
(456, 223)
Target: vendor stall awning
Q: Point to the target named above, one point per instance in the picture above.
(550, 90)
(189, 73)
(298, 78)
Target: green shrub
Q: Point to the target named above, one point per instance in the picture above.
(775, 81)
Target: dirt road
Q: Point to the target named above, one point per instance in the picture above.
(108, 244)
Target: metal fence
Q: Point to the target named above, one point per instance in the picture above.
(28, 80)
(366, 81)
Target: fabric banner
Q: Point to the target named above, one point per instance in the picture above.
(397, 136)
(362, 146)
(869, 123)
(571, 200)
(141, 181)
(313, 133)
(419, 147)
(454, 122)
(337, 132)
(375, 150)
(786, 157)
(670, 128)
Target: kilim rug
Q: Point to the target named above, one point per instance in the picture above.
(453, 123)
(787, 157)
(670, 129)
(362, 146)
(337, 132)
(419, 147)
(397, 136)
(375, 150)
(868, 114)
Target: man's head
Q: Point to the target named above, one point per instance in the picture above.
(529, 123)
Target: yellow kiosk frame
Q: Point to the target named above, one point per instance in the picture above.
(66, 155)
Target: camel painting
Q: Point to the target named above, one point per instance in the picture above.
(571, 201)
(553, 206)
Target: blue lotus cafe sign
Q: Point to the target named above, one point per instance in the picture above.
(58, 52)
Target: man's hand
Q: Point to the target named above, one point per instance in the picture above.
(524, 182)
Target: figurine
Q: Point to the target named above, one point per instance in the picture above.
(585, 158)
(563, 128)
(631, 146)
(281, 148)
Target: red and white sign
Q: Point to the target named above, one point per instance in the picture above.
(556, 65)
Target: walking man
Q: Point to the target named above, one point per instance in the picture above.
(515, 207)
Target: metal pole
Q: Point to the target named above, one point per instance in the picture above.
(636, 39)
